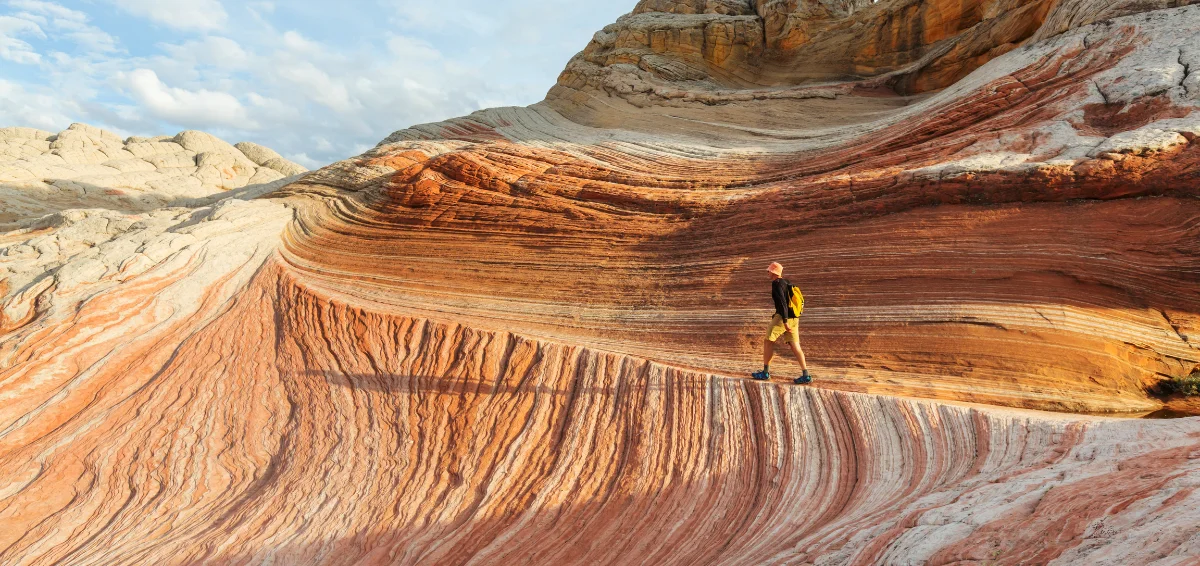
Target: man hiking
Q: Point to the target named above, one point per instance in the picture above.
(785, 321)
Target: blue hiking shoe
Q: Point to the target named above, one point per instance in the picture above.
(761, 375)
(803, 380)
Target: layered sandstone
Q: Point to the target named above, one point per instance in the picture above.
(1026, 237)
(522, 335)
(667, 50)
(295, 428)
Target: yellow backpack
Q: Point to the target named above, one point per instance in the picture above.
(795, 299)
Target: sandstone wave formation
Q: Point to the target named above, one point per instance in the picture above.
(522, 335)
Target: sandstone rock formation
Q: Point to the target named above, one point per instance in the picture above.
(670, 49)
(519, 336)
(995, 242)
(83, 166)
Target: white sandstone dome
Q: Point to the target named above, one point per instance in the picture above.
(87, 167)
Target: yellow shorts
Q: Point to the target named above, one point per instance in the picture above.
(779, 328)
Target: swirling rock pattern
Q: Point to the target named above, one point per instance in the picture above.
(993, 243)
(292, 427)
(515, 336)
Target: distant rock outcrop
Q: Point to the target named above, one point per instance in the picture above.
(84, 166)
(522, 336)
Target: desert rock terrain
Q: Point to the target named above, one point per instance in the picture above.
(524, 335)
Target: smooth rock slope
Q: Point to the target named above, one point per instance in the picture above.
(521, 335)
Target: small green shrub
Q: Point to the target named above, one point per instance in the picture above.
(1189, 385)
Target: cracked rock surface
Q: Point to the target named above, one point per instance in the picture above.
(84, 166)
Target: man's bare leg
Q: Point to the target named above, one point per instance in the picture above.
(795, 344)
(768, 353)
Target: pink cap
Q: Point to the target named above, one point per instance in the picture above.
(775, 268)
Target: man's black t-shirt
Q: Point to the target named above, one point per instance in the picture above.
(780, 293)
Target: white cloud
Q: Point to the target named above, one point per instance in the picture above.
(51, 9)
(316, 84)
(294, 41)
(211, 50)
(199, 15)
(455, 14)
(305, 160)
(198, 108)
(64, 23)
(415, 49)
(16, 50)
(93, 39)
(37, 109)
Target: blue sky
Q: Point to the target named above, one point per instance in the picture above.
(316, 80)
